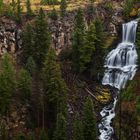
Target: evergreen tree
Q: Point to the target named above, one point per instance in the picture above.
(19, 12)
(54, 86)
(99, 53)
(54, 89)
(28, 7)
(43, 135)
(41, 40)
(24, 85)
(63, 7)
(31, 66)
(88, 48)
(28, 43)
(78, 40)
(89, 123)
(78, 129)
(7, 82)
(60, 131)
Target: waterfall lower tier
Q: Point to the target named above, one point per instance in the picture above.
(120, 66)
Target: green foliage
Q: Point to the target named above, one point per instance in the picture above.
(7, 82)
(63, 7)
(36, 42)
(89, 123)
(31, 66)
(41, 39)
(128, 8)
(29, 10)
(53, 14)
(99, 53)
(28, 43)
(78, 133)
(24, 85)
(61, 125)
(49, 2)
(3, 131)
(31, 136)
(127, 93)
(78, 41)
(20, 136)
(88, 49)
(19, 12)
(43, 135)
(54, 86)
(1, 5)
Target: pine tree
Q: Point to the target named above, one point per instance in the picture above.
(7, 82)
(63, 7)
(19, 12)
(89, 124)
(24, 85)
(28, 43)
(54, 89)
(28, 7)
(98, 56)
(31, 66)
(43, 135)
(54, 86)
(61, 125)
(88, 48)
(41, 39)
(78, 129)
(78, 39)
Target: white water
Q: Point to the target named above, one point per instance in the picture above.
(120, 66)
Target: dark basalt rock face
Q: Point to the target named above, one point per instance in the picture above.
(10, 39)
(61, 29)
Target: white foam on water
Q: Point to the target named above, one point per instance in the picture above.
(120, 66)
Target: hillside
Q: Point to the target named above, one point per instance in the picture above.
(72, 4)
(70, 71)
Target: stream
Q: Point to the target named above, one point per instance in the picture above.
(120, 66)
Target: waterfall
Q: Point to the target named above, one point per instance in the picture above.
(120, 66)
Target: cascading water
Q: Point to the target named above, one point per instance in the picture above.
(120, 66)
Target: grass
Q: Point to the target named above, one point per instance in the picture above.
(72, 4)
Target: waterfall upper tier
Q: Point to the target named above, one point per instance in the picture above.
(120, 63)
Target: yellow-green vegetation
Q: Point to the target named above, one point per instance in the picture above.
(135, 12)
(109, 41)
(104, 95)
(36, 4)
